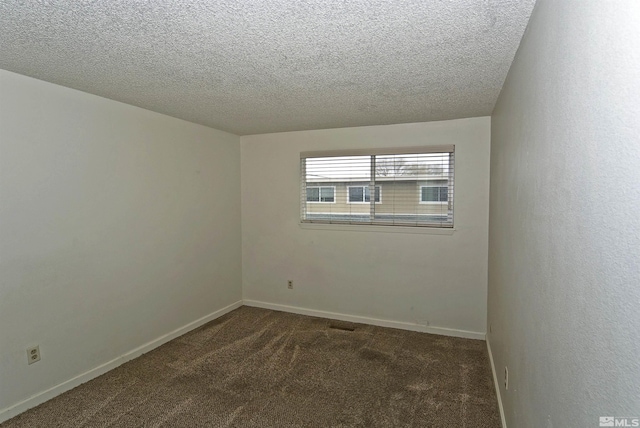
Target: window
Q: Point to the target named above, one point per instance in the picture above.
(435, 194)
(418, 186)
(324, 194)
(361, 194)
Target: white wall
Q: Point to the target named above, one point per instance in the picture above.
(564, 270)
(402, 277)
(117, 226)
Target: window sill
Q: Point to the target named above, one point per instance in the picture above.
(426, 230)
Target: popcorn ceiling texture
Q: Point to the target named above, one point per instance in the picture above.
(273, 65)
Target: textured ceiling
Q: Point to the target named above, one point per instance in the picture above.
(273, 65)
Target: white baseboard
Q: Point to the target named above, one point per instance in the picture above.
(366, 320)
(48, 394)
(497, 385)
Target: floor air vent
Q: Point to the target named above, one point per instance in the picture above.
(341, 327)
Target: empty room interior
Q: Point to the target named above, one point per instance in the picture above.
(329, 213)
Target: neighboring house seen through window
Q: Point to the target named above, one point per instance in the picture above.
(361, 194)
(434, 194)
(325, 194)
(418, 186)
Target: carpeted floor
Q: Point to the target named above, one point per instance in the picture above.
(261, 368)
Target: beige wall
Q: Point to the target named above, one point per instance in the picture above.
(564, 270)
(117, 227)
(417, 278)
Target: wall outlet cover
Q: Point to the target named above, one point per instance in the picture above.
(33, 354)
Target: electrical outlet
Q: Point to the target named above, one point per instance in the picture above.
(290, 284)
(33, 354)
(506, 378)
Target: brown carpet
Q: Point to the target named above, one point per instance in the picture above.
(261, 368)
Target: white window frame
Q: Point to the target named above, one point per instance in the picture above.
(437, 224)
(319, 201)
(363, 201)
(433, 202)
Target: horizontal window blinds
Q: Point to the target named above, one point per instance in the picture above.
(412, 186)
